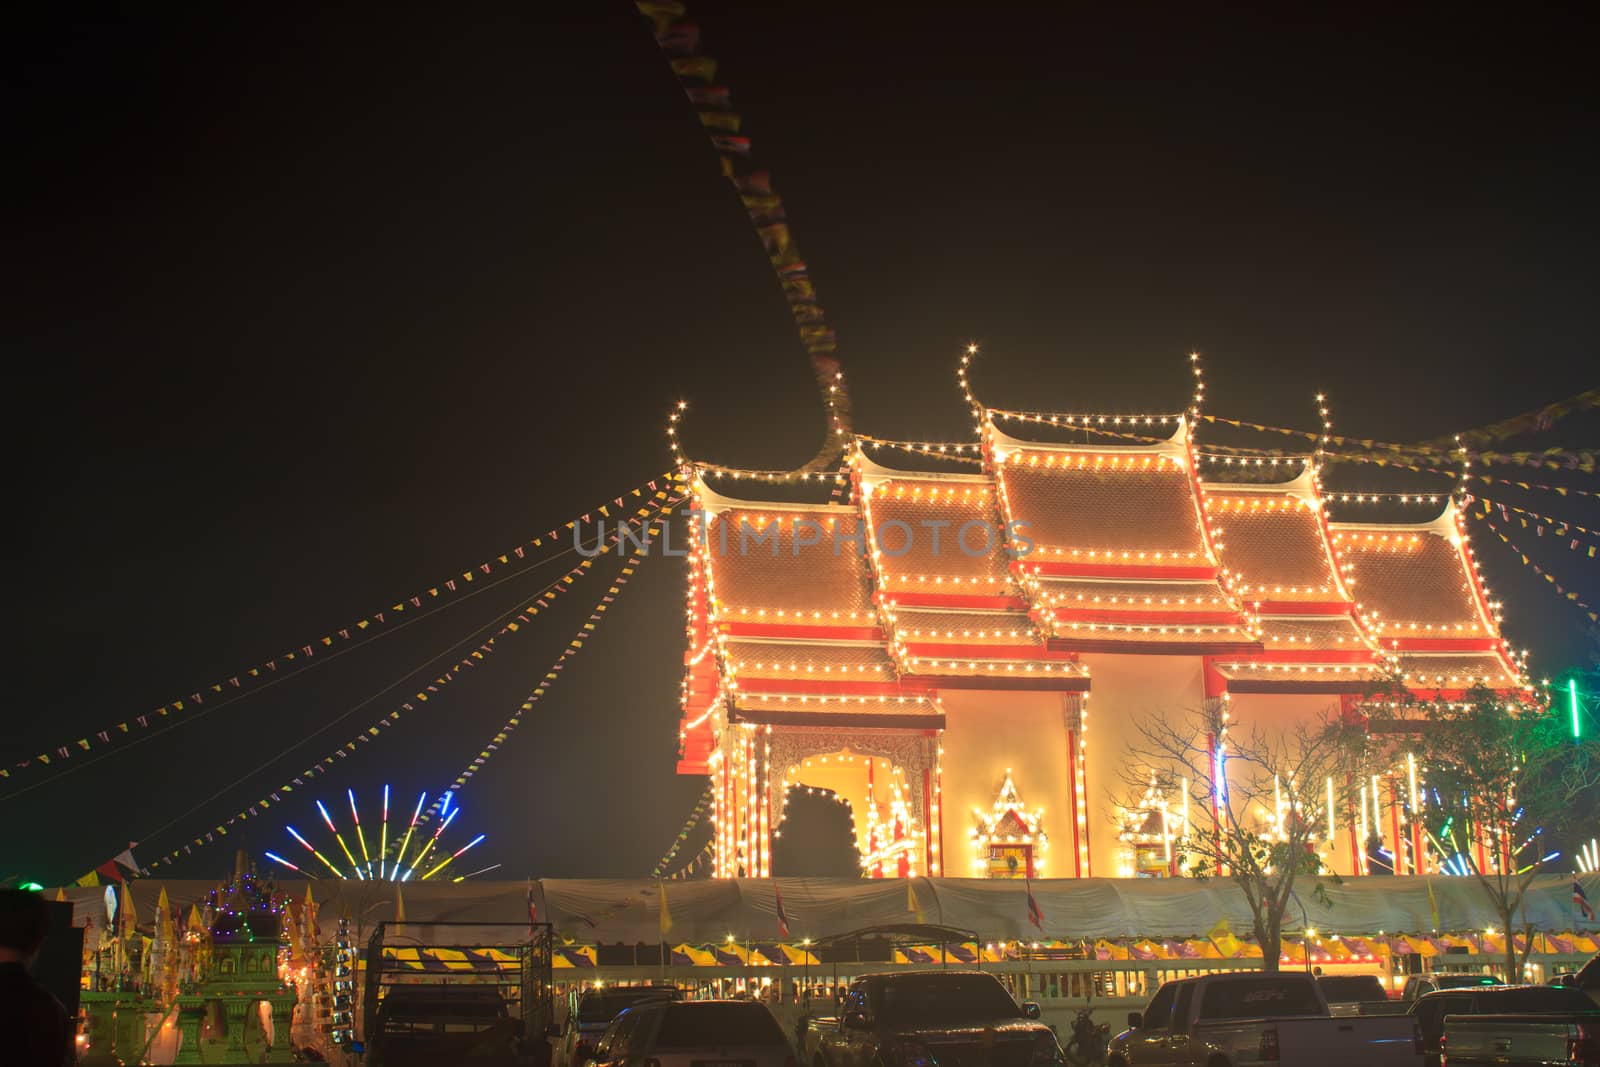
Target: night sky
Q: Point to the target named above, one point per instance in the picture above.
(313, 309)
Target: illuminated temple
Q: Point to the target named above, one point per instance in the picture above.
(964, 654)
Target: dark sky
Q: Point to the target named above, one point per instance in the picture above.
(312, 309)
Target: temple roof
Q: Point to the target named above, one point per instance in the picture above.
(1271, 538)
(1001, 578)
(1112, 547)
(1418, 593)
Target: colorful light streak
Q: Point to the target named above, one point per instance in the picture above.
(360, 836)
(392, 864)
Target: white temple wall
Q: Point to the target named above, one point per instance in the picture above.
(1276, 716)
(987, 733)
(1126, 689)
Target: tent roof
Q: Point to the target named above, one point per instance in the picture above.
(610, 911)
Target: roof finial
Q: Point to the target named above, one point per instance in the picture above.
(965, 383)
(1325, 438)
(679, 457)
(1199, 397)
(1466, 465)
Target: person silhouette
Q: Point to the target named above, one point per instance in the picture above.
(32, 1021)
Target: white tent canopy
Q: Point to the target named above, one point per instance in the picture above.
(628, 911)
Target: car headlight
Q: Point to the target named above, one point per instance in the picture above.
(1045, 1050)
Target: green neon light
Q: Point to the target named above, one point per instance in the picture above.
(1572, 695)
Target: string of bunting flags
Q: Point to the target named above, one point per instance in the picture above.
(679, 41)
(1382, 451)
(1567, 594)
(538, 604)
(1526, 423)
(1560, 527)
(700, 808)
(280, 666)
(688, 870)
(574, 646)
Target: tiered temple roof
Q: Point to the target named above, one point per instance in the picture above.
(1120, 558)
(859, 615)
(1419, 593)
(954, 612)
(1275, 545)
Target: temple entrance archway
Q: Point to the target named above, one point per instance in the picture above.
(818, 836)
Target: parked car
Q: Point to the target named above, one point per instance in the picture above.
(1419, 984)
(1248, 1018)
(591, 1011)
(1345, 993)
(1552, 1040)
(1433, 1009)
(696, 1033)
(442, 1023)
(924, 1018)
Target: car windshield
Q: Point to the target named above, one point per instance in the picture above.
(1351, 988)
(721, 1023)
(1256, 998)
(918, 999)
(603, 1007)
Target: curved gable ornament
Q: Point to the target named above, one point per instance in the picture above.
(1009, 840)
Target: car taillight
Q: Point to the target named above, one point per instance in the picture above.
(1269, 1044)
(1044, 1048)
(1443, 1059)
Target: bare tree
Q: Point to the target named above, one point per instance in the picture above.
(1256, 804)
(1503, 776)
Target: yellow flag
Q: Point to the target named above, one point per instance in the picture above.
(61, 895)
(399, 904)
(1433, 906)
(913, 905)
(89, 879)
(1221, 935)
(127, 914)
(666, 916)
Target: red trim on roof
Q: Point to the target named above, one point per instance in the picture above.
(844, 719)
(1012, 683)
(1048, 569)
(1155, 648)
(1330, 686)
(957, 601)
(979, 652)
(811, 686)
(1291, 607)
(802, 632)
(1152, 617)
(1308, 655)
(1441, 644)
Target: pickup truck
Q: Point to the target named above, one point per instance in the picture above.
(929, 1018)
(1249, 1018)
(1433, 1011)
(1556, 1040)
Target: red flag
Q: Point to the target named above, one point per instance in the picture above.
(783, 916)
(1035, 915)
